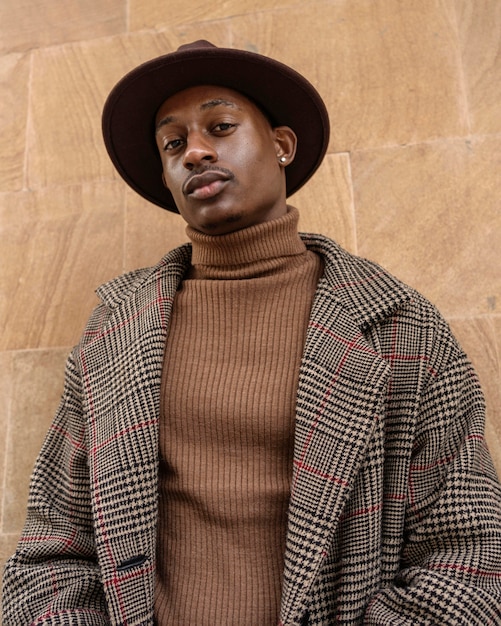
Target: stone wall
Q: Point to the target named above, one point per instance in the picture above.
(412, 177)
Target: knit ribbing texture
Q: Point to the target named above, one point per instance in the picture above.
(229, 387)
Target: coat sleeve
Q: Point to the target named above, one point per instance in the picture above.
(53, 577)
(450, 568)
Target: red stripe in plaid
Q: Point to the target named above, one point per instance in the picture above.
(350, 345)
(372, 509)
(128, 320)
(64, 612)
(78, 445)
(69, 542)
(139, 573)
(316, 472)
(395, 496)
(97, 495)
(445, 460)
(125, 431)
(463, 568)
(362, 281)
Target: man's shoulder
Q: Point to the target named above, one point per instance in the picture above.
(120, 288)
(132, 289)
(373, 296)
(340, 258)
(367, 289)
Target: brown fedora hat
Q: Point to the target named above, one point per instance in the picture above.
(130, 110)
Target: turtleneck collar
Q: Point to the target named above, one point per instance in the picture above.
(258, 250)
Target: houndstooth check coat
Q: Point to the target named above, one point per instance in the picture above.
(395, 508)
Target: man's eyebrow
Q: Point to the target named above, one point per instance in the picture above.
(164, 121)
(210, 104)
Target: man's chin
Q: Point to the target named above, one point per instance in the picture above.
(222, 226)
(212, 219)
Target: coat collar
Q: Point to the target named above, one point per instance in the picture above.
(365, 290)
(120, 289)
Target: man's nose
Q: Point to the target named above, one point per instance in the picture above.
(199, 149)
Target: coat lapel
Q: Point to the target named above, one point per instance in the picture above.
(341, 384)
(123, 413)
(340, 395)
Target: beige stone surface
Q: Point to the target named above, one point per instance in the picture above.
(480, 35)
(389, 71)
(150, 232)
(65, 139)
(148, 13)
(326, 203)
(5, 391)
(36, 382)
(431, 214)
(27, 24)
(14, 76)
(493, 378)
(411, 179)
(56, 247)
(393, 97)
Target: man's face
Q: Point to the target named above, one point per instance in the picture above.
(221, 159)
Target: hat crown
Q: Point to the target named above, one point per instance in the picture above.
(200, 43)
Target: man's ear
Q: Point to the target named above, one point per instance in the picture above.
(285, 144)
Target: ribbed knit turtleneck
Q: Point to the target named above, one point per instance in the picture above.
(229, 387)
(258, 251)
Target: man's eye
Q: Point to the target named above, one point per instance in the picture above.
(224, 126)
(172, 144)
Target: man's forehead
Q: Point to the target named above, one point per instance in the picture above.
(206, 97)
(211, 93)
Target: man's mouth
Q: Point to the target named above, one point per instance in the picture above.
(206, 184)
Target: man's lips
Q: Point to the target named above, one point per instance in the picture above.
(206, 184)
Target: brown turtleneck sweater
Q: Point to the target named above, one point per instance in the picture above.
(227, 425)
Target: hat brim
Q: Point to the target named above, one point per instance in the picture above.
(129, 113)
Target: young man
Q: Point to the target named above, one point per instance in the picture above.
(262, 429)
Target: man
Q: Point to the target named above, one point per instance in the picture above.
(262, 429)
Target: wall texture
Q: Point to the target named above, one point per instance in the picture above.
(412, 178)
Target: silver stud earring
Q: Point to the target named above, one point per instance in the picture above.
(283, 159)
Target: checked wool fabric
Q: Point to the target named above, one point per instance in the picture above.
(395, 507)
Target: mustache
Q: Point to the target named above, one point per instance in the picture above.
(228, 174)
